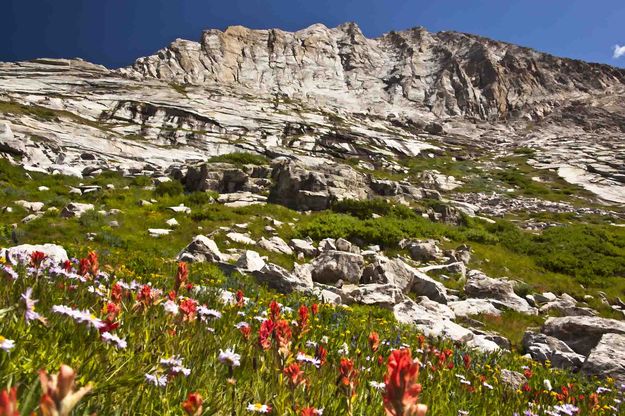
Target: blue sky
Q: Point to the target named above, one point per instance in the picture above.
(116, 32)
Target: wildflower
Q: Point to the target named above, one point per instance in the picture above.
(156, 380)
(171, 307)
(259, 408)
(314, 308)
(374, 341)
(321, 353)
(282, 334)
(264, 334)
(402, 390)
(344, 350)
(240, 299)
(463, 412)
(79, 316)
(377, 385)
(182, 276)
(204, 312)
(8, 403)
(94, 264)
(58, 396)
(488, 386)
(547, 385)
(146, 296)
(567, 409)
(294, 374)
(189, 309)
(116, 293)
(245, 329)
(466, 358)
(229, 358)
(114, 339)
(348, 373)
(311, 411)
(303, 315)
(601, 390)
(193, 405)
(30, 314)
(274, 307)
(301, 357)
(37, 258)
(8, 271)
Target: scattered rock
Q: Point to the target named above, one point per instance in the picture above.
(75, 209)
(305, 247)
(240, 238)
(201, 249)
(275, 244)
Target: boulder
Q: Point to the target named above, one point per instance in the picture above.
(582, 333)
(427, 250)
(250, 261)
(240, 238)
(54, 252)
(389, 271)
(607, 359)
(374, 294)
(275, 245)
(502, 290)
(543, 348)
(472, 307)
(201, 249)
(281, 280)
(75, 209)
(565, 305)
(30, 206)
(158, 232)
(332, 266)
(304, 246)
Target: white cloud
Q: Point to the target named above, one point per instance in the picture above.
(618, 51)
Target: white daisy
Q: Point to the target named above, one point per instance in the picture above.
(6, 344)
(258, 408)
(229, 357)
(114, 339)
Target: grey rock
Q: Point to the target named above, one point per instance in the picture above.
(201, 249)
(502, 290)
(607, 359)
(54, 252)
(542, 347)
(512, 379)
(303, 246)
(281, 280)
(423, 250)
(250, 261)
(332, 266)
(75, 209)
(582, 333)
(275, 244)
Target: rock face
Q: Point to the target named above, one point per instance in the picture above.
(310, 96)
(300, 188)
(75, 209)
(465, 74)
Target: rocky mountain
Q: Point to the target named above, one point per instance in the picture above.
(320, 95)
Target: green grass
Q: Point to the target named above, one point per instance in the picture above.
(240, 159)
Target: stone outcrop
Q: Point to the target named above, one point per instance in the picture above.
(608, 358)
(582, 333)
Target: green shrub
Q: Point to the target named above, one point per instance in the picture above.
(240, 159)
(201, 198)
(171, 188)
